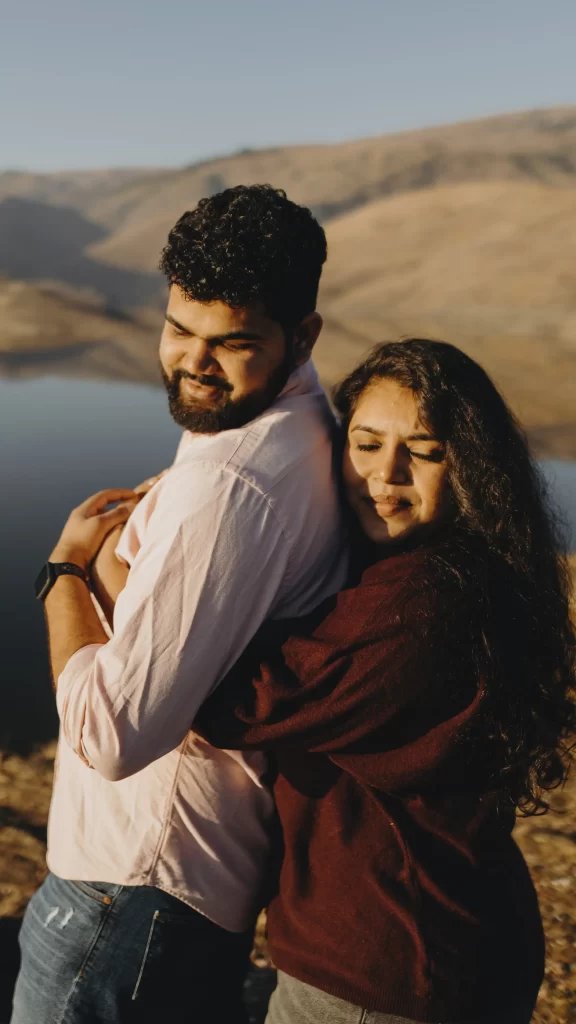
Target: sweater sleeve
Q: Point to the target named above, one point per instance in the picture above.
(371, 672)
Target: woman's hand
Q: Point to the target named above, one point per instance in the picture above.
(148, 484)
(90, 523)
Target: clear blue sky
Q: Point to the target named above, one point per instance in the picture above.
(97, 83)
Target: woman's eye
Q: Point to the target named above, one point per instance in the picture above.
(368, 447)
(435, 456)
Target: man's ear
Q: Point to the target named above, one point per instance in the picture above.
(306, 336)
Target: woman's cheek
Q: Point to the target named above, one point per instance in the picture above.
(351, 468)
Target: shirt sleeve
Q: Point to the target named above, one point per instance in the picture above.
(211, 567)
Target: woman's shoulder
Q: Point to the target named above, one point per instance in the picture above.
(425, 565)
(383, 592)
(441, 580)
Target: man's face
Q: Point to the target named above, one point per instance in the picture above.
(221, 366)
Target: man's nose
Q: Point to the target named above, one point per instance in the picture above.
(200, 358)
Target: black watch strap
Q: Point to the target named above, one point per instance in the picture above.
(50, 572)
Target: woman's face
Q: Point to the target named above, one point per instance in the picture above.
(394, 468)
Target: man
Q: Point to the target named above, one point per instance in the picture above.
(157, 842)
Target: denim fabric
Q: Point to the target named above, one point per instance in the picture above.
(96, 953)
(294, 1002)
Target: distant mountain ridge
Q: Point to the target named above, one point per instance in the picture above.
(463, 231)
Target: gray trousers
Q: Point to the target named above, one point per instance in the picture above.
(294, 1002)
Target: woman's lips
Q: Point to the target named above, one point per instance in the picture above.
(386, 507)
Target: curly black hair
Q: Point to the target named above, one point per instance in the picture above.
(506, 555)
(246, 245)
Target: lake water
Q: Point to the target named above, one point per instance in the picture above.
(60, 441)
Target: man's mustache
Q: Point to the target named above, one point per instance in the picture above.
(208, 380)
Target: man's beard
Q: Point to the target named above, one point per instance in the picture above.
(227, 413)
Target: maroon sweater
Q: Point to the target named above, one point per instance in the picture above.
(401, 888)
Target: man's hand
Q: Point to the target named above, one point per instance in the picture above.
(90, 523)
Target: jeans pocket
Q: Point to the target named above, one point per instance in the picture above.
(185, 956)
(101, 892)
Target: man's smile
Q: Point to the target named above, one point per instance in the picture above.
(199, 389)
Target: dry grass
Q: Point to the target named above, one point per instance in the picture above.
(549, 846)
(25, 788)
(548, 843)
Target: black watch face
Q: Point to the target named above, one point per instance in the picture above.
(43, 581)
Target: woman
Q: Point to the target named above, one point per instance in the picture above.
(415, 713)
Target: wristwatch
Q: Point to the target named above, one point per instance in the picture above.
(50, 572)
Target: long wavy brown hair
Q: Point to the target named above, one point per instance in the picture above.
(507, 555)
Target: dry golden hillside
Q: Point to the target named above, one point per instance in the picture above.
(335, 178)
(465, 232)
(135, 207)
(489, 266)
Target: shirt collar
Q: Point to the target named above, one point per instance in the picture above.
(302, 381)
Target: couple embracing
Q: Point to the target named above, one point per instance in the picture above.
(339, 661)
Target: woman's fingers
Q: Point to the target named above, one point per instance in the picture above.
(98, 503)
(119, 514)
(146, 485)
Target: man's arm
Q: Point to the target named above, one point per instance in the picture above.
(72, 621)
(108, 572)
(71, 618)
(210, 569)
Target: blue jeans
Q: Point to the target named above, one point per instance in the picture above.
(295, 1002)
(96, 953)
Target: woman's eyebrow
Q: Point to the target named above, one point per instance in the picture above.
(367, 430)
(379, 433)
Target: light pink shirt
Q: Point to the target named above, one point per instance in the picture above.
(243, 527)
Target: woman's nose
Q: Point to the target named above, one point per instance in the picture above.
(393, 467)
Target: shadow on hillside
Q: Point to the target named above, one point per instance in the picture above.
(39, 242)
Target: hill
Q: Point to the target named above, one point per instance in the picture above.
(462, 231)
(137, 206)
(489, 267)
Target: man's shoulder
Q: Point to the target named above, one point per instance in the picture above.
(290, 436)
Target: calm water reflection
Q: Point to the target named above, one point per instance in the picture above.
(61, 440)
